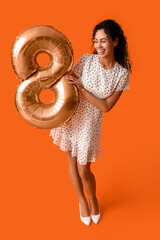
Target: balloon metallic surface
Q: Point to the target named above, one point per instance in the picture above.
(34, 79)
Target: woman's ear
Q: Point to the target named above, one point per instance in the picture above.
(116, 41)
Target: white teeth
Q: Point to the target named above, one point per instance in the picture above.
(100, 51)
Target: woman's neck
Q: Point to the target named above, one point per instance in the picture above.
(108, 62)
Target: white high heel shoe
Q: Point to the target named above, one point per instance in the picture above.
(85, 220)
(95, 218)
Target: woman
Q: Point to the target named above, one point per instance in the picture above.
(100, 79)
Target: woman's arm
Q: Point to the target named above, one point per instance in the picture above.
(98, 102)
(104, 104)
(111, 101)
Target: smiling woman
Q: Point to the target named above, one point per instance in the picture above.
(100, 78)
(111, 34)
(105, 48)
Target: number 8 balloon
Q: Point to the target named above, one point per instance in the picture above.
(34, 79)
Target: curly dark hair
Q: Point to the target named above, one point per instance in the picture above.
(113, 30)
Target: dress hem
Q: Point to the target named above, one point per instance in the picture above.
(98, 153)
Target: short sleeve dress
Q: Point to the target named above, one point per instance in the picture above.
(81, 134)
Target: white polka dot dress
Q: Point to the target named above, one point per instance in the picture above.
(81, 134)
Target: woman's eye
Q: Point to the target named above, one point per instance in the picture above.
(95, 42)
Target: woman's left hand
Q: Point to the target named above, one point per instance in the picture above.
(75, 81)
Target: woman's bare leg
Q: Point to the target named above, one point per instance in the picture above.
(77, 184)
(89, 183)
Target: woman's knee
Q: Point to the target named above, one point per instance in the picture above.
(84, 170)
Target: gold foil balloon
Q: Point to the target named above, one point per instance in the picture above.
(34, 79)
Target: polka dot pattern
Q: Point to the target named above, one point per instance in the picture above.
(81, 134)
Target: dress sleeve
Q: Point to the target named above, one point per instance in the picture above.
(78, 66)
(123, 83)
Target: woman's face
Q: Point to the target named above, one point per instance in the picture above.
(102, 45)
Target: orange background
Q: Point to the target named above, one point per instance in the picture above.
(37, 198)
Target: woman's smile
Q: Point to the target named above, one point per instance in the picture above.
(101, 51)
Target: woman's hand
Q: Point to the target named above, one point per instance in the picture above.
(75, 81)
